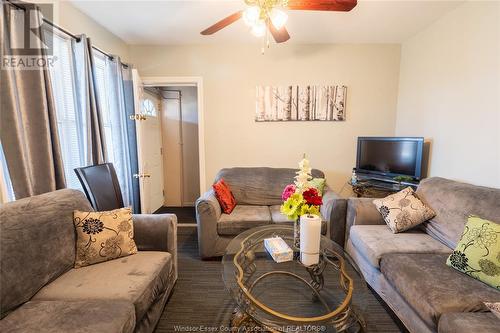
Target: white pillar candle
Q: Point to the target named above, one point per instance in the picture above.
(310, 236)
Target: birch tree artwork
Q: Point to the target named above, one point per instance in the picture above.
(300, 103)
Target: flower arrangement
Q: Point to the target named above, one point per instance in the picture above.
(301, 197)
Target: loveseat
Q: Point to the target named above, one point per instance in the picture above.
(257, 192)
(40, 291)
(408, 269)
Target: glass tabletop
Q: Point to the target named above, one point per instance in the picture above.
(287, 296)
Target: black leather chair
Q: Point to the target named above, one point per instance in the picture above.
(101, 186)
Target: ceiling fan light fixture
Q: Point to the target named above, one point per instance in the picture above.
(278, 18)
(251, 15)
(259, 28)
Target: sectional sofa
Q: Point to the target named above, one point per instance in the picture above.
(258, 195)
(40, 288)
(408, 269)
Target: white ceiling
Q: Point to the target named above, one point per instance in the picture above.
(180, 22)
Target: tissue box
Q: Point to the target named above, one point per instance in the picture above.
(278, 249)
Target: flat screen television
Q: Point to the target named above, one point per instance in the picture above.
(390, 156)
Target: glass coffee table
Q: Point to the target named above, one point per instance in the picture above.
(289, 297)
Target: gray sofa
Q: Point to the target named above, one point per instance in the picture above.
(408, 269)
(41, 291)
(258, 195)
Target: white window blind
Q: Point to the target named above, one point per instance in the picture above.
(103, 86)
(70, 121)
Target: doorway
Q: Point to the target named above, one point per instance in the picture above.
(180, 110)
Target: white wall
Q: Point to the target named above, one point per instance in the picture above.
(230, 74)
(449, 92)
(72, 19)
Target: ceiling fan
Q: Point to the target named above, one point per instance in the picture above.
(261, 15)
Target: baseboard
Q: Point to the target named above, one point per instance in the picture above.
(186, 225)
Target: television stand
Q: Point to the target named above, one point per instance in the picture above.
(376, 188)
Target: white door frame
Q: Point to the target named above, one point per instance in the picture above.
(169, 81)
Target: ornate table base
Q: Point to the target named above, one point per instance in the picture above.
(242, 322)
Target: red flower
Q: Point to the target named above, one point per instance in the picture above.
(312, 197)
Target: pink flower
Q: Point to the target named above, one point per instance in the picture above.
(288, 191)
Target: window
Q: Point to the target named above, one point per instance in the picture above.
(5, 183)
(148, 108)
(70, 121)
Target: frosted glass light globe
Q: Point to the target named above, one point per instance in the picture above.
(278, 18)
(259, 28)
(251, 15)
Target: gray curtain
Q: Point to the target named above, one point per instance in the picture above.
(117, 135)
(96, 147)
(128, 90)
(28, 130)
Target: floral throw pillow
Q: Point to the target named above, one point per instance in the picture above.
(494, 308)
(478, 251)
(103, 236)
(403, 210)
(319, 184)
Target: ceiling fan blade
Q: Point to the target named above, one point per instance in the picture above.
(322, 5)
(222, 23)
(279, 35)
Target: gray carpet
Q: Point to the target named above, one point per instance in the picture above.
(200, 302)
(184, 214)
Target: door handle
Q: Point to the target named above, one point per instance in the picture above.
(137, 116)
(143, 175)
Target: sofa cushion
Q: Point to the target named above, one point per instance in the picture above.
(476, 322)
(71, 316)
(453, 203)
(37, 243)
(243, 218)
(373, 241)
(279, 218)
(432, 288)
(259, 186)
(276, 215)
(139, 279)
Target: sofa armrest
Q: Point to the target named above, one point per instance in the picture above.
(208, 212)
(333, 211)
(361, 211)
(156, 232)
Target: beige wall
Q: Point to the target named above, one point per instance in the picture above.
(175, 174)
(190, 153)
(230, 74)
(449, 92)
(72, 19)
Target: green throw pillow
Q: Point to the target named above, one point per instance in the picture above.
(319, 184)
(478, 251)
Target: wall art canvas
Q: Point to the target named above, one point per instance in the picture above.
(300, 103)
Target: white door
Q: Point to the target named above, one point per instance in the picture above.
(149, 149)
